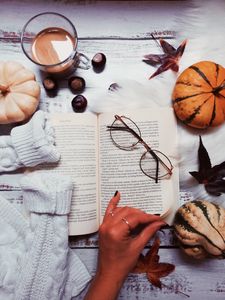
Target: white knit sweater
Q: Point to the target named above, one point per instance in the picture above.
(35, 260)
(28, 145)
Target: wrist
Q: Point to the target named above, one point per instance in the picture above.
(111, 269)
(105, 285)
(110, 276)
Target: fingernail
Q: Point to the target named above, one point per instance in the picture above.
(115, 193)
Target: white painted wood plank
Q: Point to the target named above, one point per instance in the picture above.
(97, 18)
(120, 29)
(90, 241)
(198, 279)
(124, 60)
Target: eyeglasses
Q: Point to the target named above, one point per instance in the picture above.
(125, 134)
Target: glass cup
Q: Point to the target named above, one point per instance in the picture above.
(50, 41)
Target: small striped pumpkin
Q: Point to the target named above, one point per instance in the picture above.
(200, 228)
(199, 95)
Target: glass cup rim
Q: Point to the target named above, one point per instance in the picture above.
(22, 39)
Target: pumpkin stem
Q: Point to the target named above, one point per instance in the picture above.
(4, 89)
(217, 89)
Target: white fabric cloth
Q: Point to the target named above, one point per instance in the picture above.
(201, 23)
(28, 145)
(35, 259)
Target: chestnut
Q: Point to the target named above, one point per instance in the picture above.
(50, 86)
(76, 84)
(79, 103)
(98, 61)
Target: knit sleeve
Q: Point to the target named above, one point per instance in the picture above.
(9, 159)
(44, 270)
(34, 141)
(28, 145)
(77, 276)
(14, 227)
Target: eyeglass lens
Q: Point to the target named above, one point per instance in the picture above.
(148, 164)
(124, 139)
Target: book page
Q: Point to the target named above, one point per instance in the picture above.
(120, 169)
(76, 140)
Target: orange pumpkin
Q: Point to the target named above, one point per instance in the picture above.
(199, 95)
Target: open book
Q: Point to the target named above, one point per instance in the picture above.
(99, 168)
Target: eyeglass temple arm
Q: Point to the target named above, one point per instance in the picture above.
(127, 128)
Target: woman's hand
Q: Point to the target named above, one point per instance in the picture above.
(120, 247)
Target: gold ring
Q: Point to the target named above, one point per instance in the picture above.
(126, 222)
(111, 213)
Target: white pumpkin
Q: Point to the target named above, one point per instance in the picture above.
(19, 92)
(200, 228)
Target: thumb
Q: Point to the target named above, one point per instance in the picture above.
(148, 233)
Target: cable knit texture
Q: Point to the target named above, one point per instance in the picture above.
(14, 228)
(9, 159)
(28, 145)
(41, 265)
(44, 271)
(47, 193)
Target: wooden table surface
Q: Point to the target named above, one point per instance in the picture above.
(122, 30)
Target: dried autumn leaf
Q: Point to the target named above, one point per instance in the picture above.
(211, 177)
(168, 60)
(150, 265)
(141, 266)
(159, 270)
(152, 256)
(167, 48)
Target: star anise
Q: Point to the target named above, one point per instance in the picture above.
(168, 60)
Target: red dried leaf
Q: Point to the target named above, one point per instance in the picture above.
(160, 270)
(150, 265)
(154, 59)
(152, 256)
(141, 266)
(167, 48)
(164, 67)
(154, 279)
(168, 60)
(180, 49)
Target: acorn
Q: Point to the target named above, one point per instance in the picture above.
(79, 103)
(76, 84)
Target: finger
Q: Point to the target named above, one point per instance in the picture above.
(148, 233)
(126, 211)
(112, 203)
(137, 218)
